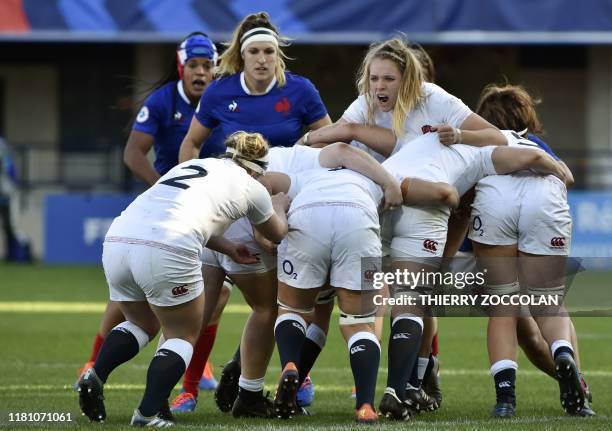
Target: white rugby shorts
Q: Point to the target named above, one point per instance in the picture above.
(530, 211)
(138, 270)
(415, 232)
(328, 239)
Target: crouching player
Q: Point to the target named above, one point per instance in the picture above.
(152, 264)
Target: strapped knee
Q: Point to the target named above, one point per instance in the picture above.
(538, 292)
(356, 319)
(290, 309)
(326, 296)
(503, 289)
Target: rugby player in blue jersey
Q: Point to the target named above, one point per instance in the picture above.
(161, 124)
(253, 93)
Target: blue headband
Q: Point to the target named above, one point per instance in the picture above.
(197, 46)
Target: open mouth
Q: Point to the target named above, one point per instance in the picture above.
(199, 84)
(382, 98)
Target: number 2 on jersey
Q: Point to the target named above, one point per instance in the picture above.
(174, 182)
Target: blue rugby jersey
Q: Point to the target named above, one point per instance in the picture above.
(279, 115)
(542, 145)
(166, 115)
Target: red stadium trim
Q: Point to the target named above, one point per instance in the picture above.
(13, 17)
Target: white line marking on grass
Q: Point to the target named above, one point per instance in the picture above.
(83, 307)
(332, 370)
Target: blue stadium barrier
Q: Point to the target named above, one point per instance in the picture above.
(75, 225)
(313, 21)
(592, 228)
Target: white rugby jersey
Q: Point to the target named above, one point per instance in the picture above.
(334, 186)
(192, 202)
(438, 107)
(505, 185)
(426, 158)
(293, 159)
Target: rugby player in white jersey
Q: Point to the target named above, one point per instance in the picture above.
(416, 235)
(152, 264)
(333, 225)
(396, 91)
(258, 281)
(526, 216)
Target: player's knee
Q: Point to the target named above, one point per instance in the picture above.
(294, 308)
(366, 319)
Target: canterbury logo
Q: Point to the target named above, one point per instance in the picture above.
(357, 349)
(557, 242)
(297, 325)
(504, 384)
(401, 335)
(430, 245)
(180, 290)
(161, 353)
(369, 274)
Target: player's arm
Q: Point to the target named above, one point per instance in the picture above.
(275, 227)
(192, 142)
(239, 253)
(512, 159)
(569, 177)
(340, 154)
(378, 139)
(135, 156)
(322, 122)
(275, 182)
(474, 131)
(458, 224)
(428, 193)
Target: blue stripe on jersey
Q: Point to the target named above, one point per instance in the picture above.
(542, 145)
(280, 115)
(169, 128)
(466, 245)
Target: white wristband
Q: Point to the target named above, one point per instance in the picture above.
(460, 135)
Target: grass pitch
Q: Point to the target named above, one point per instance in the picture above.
(49, 315)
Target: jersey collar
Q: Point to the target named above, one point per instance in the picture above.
(246, 89)
(181, 92)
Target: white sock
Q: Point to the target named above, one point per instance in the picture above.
(560, 343)
(251, 385)
(422, 367)
(179, 346)
(503, 365)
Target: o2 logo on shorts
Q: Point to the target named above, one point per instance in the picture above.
(477, 226)
(288, 269)
(180, 290)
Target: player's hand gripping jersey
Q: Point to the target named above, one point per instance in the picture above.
(421, 231)
(286, 160)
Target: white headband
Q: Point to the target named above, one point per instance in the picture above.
(258, 34)
(256, 165)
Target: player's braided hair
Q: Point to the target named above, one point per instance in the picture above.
(250, 150)
(410, 93)
(509, 107)
(427, 65)
(231, 62)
